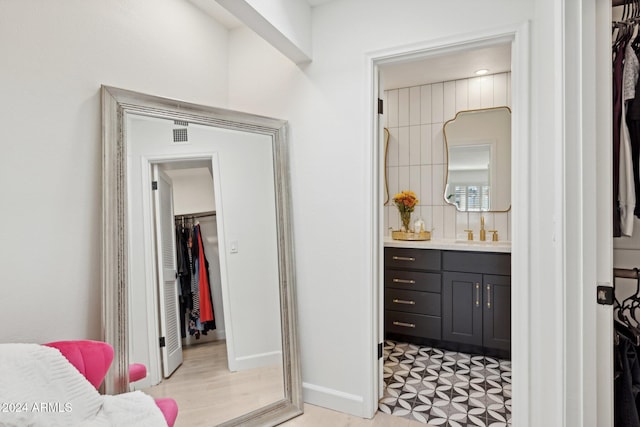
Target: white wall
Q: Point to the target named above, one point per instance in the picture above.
(55, 56)
(325, 103)
(417, 150)
(192, 191)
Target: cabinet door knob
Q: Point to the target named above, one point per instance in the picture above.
(403, 301)
(403, 258)
(403, 324)
(407, 281)
(477, 294)
(489, 296)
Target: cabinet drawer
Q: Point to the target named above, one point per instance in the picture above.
(417, 259)
(412, 301)
(477, 262)
(412, 280)
(417, 325)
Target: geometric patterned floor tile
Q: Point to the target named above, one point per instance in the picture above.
(445, 388)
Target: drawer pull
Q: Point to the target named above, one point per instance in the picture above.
(408, 282)
(477, 294)
(489, 296)
(403, 258)
(406, 325)
(403, 301)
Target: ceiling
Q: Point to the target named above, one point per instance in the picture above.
(441, 68)
(228, 20)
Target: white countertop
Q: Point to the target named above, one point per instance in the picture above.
(451, 245)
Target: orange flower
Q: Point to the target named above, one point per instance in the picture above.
(405, 201)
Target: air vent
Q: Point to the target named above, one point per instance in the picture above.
(180, 123)
(180, 135)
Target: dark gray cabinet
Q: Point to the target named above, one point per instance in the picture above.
(460, 298)
(462, 307)
(476, 299)
(496, 320)
(412, 300)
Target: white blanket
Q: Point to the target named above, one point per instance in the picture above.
(40, 388)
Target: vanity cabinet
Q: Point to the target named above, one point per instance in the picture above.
(412, 294)
(456, 299)
(476, 299)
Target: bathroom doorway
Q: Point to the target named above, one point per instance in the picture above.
(386, 216)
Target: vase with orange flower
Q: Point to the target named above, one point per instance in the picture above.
(405, 201)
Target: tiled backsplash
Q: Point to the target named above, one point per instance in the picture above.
(416, 158)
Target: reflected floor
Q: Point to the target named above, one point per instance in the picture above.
(208, 393)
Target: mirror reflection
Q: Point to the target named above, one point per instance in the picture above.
(479, 160)
(217, 300)
(208, 274)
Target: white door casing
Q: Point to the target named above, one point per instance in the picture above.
(167, 276)
(518, 36)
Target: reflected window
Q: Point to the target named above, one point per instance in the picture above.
(472, 198)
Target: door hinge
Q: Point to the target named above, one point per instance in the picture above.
(605, 295)
(379, 350)
(380, 109)
(162, 344)
(154, 185)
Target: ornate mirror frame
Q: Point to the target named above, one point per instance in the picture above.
(447, 145)
(116, 105)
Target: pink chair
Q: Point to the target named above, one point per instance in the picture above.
(93, 358)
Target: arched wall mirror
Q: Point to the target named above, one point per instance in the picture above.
(148, 144)
(479, 160)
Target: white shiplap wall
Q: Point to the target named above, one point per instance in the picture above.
(416, 158)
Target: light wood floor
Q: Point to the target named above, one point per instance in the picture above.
(208, 394)
(315, 416)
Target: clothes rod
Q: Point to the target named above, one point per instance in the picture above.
(625, 273)
(195, 215)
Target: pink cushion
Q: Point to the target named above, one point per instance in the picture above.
(169, 409)
(137, 371)
(91, 358)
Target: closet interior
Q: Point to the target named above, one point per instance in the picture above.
(626, 209)
(198, 263)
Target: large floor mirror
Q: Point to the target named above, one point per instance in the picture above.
(149, 144)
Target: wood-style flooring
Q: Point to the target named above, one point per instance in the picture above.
(208, 394)
(206, 391)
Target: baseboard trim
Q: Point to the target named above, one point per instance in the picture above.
(258, 360)
(334, 399)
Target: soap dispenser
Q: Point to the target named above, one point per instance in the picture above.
(418, 226)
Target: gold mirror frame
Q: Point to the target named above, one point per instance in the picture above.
(446, 142)
(116, 105)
